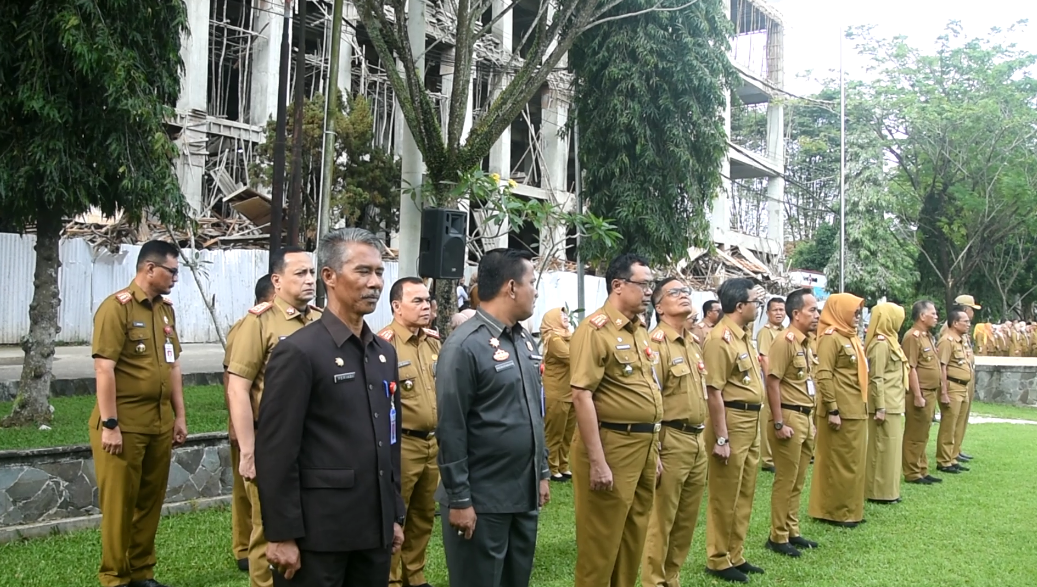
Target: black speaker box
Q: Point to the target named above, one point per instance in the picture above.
(441, 251)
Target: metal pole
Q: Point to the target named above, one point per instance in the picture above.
(580, 294)
(295, 197)
(842, 171)
(330, 110)
(277, 195)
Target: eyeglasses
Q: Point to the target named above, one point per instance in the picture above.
(759, 303)
(172, 271)
(678, 292)
(644, 285)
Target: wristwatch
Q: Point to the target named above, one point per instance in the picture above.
(400, 520)
(833, 413)
(779, 425)
(721, 441)
(110, 423)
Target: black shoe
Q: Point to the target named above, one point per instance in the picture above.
(729, 574)
(951, 469)
(839, 524)
(920, 481)
(802, 542)
(748, 568)
(146, 583)
(568, 474)
(885, 501)
(769, 468)
(243, 565)
(961, 468)
(559, 478)
(964, 456)
(782, 548)
(932, 479)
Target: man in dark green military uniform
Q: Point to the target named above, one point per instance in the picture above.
(139, 415)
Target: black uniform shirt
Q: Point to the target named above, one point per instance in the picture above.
(327, 461)
(492, 453)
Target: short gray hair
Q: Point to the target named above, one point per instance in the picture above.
(331, 251)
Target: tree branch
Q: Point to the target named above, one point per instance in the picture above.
(656, 8)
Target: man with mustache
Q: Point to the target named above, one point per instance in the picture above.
(265, 325)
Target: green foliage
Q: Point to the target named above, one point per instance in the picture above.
(87, 89)
(650, 96)
(365, 179)
(811, 163)
(815, 254)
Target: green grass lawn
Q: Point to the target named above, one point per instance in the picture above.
(206, 412)
(975, 529)
(1005, 411)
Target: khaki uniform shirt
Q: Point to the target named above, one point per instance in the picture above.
(226, 396)
(417, 355)
(886, 389)
(681, 373)
(261, 329)
(610, 357)
(791, 361)
(133, 331)
(732, 365)
(920, 349)
(766, 337)
(701, 331)
(959, 366)
(837, 377)
(556, 370)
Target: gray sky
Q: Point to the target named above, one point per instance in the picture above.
(813, 29)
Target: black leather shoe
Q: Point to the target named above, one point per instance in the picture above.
(951, 469)
(802, 542)
(748, 568)
(885, 501)
(568, 474)
(964, 456)
(243, 565)
(769, 468)
(920, 481)
(730, 574)
(932, 479)
(559, 478)
(782, 548)
(839, 524)
(961, 468)
(146, 583)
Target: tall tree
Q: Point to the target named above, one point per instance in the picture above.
(650, 100)
(88, 87)
(811, 163)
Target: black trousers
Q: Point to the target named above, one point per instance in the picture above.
(356, 568)
(500, 553)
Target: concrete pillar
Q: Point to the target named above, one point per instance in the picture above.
(500, 153)
(413, 164)
(776, 137)
(554, 109)
(191, 105)
(266, 55)
(720, 213)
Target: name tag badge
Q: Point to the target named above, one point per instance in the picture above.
(340, 377)
(504, 366)
(170, 357)
(138, 325)
(403, 364)
(678, 360)
(622, 347)
(392, 422)
(810, 388)
(536, 357)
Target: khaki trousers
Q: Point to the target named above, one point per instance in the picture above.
(791, 460)
(950, 415)
(916, 435)
(258, 567)
(559, 426)
(420, 476)
(837, 489)
(240, 509)
(131, 488)
(885, 458)
(611, 525)
(963, 419)
(767, 439)
(731, 489)
(676, 509)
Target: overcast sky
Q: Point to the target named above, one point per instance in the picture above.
(813, 28)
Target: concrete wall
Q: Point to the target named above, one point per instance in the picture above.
(1006, 380)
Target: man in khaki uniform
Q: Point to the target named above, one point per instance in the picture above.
(711, 315)
(791, 395)
(417, 350)
(956, 365)
(619, 408)
(265, 325)
(764, 339)
(683, 453)
(924, 384)
(735, 399)
(969, 305)
(240, 507)
(139, 415)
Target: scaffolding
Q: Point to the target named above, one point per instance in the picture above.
(231, 38)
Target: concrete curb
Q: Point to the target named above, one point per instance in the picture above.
(53, 527)
(88, 385)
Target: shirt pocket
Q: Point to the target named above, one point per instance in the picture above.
(409, 380)
(681, 374)
(799, 367)
(624, 363)
(744, 363)
(139, 341)
(847, 357)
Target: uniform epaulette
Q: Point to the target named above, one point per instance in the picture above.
(260, 308)
(599, 320)
(387, 334)
(830, 331)
(124, 297)
(880, 337)
(312, 307)
(658, 336)
(432, 333)
(789, 336)
(701, 325)
(916, 334)
(168, 300)
(727, 335)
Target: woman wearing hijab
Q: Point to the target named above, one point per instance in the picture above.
(984, 339)
(559, 415)
(887, 390)
(837, 490)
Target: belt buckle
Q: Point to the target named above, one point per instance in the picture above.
(658, 426)
(431, 434)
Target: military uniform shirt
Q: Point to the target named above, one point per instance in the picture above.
(556, 369)
(791, 362)
(261, 329)
(133, 331)
(681, 372)
(731, 363)
(952, 353)
(766, 337)
(920, 349)
(492, 452)
(837, 377)
(885, 378)
(418, 355)
(611, 358)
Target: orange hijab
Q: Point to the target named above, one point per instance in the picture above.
(551, 325)
(838, 317)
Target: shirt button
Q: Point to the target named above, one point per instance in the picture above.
(376, 414)
(379, 443)
(380, 472)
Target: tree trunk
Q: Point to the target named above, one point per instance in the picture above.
(446, 296)
(32, 406)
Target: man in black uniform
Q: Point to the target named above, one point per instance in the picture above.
(492, 453)
(327, 443)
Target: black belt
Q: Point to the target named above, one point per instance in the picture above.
(683, 426)
(635, 428)
(958, 381)
(801, 409)
(255, 424)
(419, 433)
(744, 406)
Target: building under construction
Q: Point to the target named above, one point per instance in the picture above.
(229, 94)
